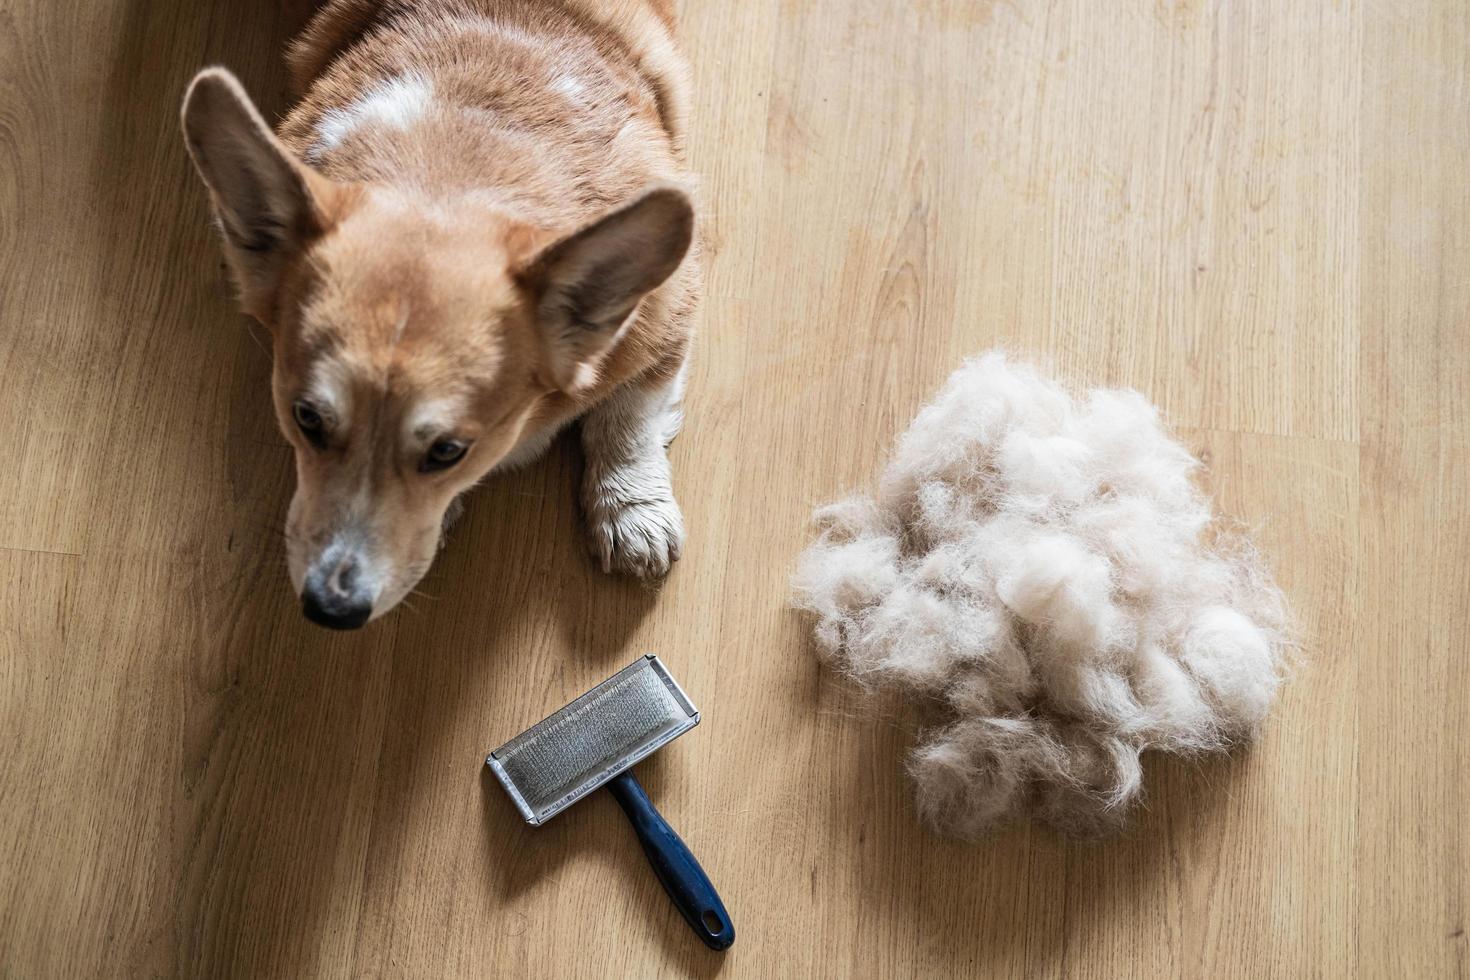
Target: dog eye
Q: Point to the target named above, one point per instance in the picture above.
(444, 454)
(310, 422)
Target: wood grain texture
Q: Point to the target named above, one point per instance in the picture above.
(1255, 211)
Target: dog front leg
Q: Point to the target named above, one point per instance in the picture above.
(633, 522)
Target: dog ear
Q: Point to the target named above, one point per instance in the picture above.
(268, 205)
(588, 284)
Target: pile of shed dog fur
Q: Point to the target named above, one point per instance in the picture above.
(1045, 570)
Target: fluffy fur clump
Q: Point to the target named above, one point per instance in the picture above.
(1045, 569)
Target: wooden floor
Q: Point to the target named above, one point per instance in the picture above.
(1258, 213)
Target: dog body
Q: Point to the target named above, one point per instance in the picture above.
(469, 232)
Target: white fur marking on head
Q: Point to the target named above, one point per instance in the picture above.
(1044, 568)
(433, 418)
(570, 85)
(329, 388)
(396, 103)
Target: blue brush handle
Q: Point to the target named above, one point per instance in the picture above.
(682, 877)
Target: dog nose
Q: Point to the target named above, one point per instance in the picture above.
(336, 599)
(333, 613)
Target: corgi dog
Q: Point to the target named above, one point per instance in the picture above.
(474, 228)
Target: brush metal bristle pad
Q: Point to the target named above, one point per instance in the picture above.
(572, 752)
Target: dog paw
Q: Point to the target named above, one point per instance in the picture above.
(635, 537)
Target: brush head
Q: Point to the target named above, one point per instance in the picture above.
(572, 752)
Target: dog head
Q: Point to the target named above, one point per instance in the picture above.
(413, 339)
